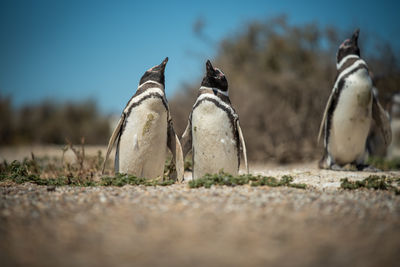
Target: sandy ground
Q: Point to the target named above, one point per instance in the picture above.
(222, 226)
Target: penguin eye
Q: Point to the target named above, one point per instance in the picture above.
(346, 43)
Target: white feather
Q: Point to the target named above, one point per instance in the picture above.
(211, 127)
(231, 111)
(351, 119)
(143, 143)
(143, 95)
(334, 89)
(214, 89)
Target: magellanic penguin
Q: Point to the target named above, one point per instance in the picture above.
(145, 130)
(213, 132)
(350, 110)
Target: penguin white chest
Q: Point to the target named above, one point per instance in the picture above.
(394, 148)
(143, 143)
(351, 119)
(214, 144)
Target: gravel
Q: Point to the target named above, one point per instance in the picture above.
(220, 226)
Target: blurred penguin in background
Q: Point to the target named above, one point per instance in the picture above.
(350, 111)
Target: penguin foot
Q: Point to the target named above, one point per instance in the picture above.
(354, 167)
(336, 167)
(346, 168)
(367, 168)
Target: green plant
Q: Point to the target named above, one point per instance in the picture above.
(223, 178)
(24, 172)
(124, 179)
(372, 182)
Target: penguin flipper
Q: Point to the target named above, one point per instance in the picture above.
(328, 105)
(175, 146)
(381, 119)
(113, 137)
(243, 144)
(186, 139)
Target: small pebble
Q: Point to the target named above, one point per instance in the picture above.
(51, 188)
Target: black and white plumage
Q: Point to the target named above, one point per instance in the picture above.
(350, 110)
(145, 130)
(394, 148)
(213, 132)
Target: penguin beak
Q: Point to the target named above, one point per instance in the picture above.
(354, 38)
(209, 67)
(164, 61)
(164, 64)
(160, 67)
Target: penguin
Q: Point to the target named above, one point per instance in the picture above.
(145, 130)
(349, 112)
(213, 133)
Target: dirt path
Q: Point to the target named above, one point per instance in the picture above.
(220, 226)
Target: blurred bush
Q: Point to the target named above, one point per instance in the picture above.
(280, 77)
(52, 122)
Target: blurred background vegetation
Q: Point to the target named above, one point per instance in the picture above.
(52, 123)
(279, 75)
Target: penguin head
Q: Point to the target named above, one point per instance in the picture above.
(155, 74)
(349, 47)
(214, 78)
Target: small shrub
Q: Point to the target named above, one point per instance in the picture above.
(24, 172)
(229, 180)
(372, 182)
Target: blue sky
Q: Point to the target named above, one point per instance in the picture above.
(75, 50)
